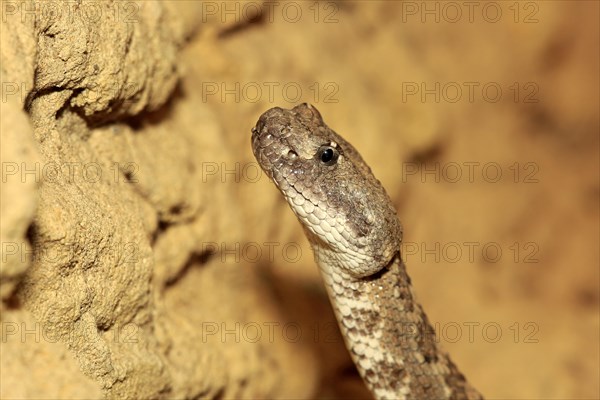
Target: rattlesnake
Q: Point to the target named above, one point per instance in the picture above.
(355, 234)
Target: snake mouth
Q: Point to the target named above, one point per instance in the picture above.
(290, 199)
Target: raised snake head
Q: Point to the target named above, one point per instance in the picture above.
(349, 218)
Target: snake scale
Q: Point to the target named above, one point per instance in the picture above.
(355, 235)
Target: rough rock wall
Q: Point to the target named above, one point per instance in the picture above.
(111, 210)
(131, 216)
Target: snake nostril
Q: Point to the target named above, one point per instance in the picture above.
(292, 154)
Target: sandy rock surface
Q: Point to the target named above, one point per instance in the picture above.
(144, 254)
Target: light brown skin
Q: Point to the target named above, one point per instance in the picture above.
(355, 234)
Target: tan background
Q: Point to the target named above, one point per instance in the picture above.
(142, 256)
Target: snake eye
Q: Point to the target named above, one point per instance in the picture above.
(328, 155)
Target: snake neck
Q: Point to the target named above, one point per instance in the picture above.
(353, 228)
(389, 336)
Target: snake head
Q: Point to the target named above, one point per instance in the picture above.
(346, 212)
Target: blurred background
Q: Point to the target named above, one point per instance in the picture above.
(479, 118)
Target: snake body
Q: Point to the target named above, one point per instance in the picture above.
(355, 235)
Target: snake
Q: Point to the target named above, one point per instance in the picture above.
(355, 235)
